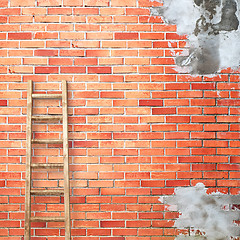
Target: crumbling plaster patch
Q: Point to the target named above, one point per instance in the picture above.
(213, 30)
(209, 215)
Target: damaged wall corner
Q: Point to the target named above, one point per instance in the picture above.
(213, 31)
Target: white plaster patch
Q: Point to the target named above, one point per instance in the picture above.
(183, 14)
(230, 49)
(207, 214)
(225, 43)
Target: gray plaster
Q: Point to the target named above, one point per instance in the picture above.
(213, 30)
(210, 215)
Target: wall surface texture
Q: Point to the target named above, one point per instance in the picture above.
(140, 123)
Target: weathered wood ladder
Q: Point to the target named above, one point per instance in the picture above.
(29, 165)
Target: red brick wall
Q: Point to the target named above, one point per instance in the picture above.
(138, 129)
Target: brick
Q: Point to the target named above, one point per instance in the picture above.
(99, 19)
(125, 19)
(45, 52)
(163, 111)
(20, 53)
(150, 69)
(203, 102)
(4, 19)
(228, 183)
(10, 11)
(124, 69)
(73, 3)
(177, 86)
(61, 27)
(177, 183)
(113, 27)
(112, 11)
(97, 53)
(124, 232)
(73, 19)
(100, 36)
(31, 26)
(32, 44)
(177, 119)
(111, 175)
(123, 3)
(150, 102)
(112, 224)
(138, 111)
(99, 232)
(86, 61)
(3, 102)
(127, 36)
(152, 19)
(73, 70)
(130, 152)
(99, 3)
(10, 61)
(150, 232)
(21, 19)
(124, 215)
(104, 70)
(119, 53)
(60, 61)
(49, 3)
(24, 36)
(203, 119)
(59, 11)
(47, 19)
(151, 53)
(152, 36)
(215, 159)
(3, 3)
(75, 53)
(46, 70)
(73, 35)
(163, 61)
(215, 175)
(228, 102)
(228, 135)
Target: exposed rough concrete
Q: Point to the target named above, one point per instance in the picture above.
(213, 30)
(205, 213)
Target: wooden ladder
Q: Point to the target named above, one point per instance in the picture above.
(29, 165)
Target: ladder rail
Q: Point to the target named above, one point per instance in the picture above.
(66, 162)
(27, 230)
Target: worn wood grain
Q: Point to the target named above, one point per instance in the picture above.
(66, 163)
(48, 219)
(59, 96)
(27, 229)
(47, 165)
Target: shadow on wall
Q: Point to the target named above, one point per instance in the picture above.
(213, 30)
(210, 215)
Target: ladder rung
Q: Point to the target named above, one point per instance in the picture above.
(47, 141)
(35, 95)
(47, 192)
(47, 219)
(47, 117)
(47, 165)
